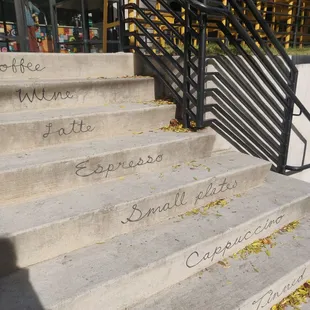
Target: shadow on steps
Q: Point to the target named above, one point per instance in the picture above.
(16, 292)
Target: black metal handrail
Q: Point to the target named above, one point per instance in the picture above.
(251, 94)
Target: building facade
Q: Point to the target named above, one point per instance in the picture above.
(77, 26)
(66, 26)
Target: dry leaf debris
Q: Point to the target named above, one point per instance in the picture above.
(296, 299)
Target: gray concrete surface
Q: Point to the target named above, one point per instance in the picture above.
(259, 282)
(95, 213)
(49, 65)
(26, 130)
(19, 95)
(46, 170)
(131, 267)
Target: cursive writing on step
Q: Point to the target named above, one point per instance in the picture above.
(195, 258)
(20, 66)
(271, 297)
(213, 189)
(84, 169)
(137, 214)
(42, 95)
(74, 128)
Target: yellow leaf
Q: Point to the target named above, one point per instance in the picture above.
(224, 263)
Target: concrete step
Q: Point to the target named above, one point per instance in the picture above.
(19, 95)
(51, 169)
(47, 227)
(32, 129)
(258, 282)
(54, 66)
(129, 268)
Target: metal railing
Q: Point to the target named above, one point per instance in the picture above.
(245, 90)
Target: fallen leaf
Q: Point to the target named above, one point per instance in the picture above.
(224, 263)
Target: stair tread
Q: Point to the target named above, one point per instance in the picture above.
(100, 196)
(120, 257)
(245, 282)
(53, 81)
(66, 152)
(50, 114)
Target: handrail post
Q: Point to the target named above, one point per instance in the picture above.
(121, 16)
(288, 121)
(181, 111)
(201, 69)
(289, 114)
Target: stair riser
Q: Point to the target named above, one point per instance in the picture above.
(62, 94)
(49, 241)
(274, 293)
(57, 176)
(173, 269)
(22, 136)
(55, 66)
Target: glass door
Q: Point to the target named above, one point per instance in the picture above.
(8, 27)
(85, 26)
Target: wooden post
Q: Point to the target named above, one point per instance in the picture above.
(132, 27)
(289, 24)
(105, 26)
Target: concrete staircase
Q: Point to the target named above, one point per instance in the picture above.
(100, 209)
